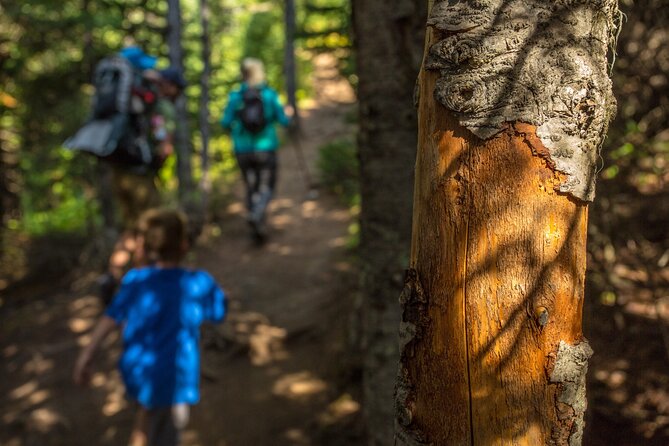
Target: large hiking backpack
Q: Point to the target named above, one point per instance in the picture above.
(252, 113)
(118, 130)
(113, 81)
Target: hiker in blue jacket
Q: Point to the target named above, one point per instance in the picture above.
(250, 116)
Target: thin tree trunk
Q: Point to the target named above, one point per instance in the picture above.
(514, 103)
(103, 175)
(389, 45)
(289, 58)
(182, 140)
(204, 100)
(9, 178)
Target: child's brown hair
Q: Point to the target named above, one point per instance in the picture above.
(164, 232)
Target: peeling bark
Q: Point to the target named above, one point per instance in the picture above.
(533, 61)
(513, 103)
(569, 372)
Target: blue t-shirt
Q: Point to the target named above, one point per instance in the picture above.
(162, 310)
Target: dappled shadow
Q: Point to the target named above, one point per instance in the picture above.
(514, 294)
(40, 404)
(271, 374)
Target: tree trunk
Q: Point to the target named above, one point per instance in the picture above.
(103, 174)
(182, 140)
(204, 99)
(10, 205)
(389, 45)
(514, 104)
(289, 57)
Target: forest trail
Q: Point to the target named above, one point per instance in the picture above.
(271, 372)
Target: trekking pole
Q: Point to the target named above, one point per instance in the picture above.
(312, 190)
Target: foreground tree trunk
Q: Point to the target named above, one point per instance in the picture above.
(514, 104)
(389, 45)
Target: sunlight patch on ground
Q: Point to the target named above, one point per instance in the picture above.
(329, 85)
(339, 215)
(296, 436)
(38, 364)
(83, 302)
(310, 209)
(24, 390)
(236, 208)
(110, 434)
(38, 397)
(299, 385)
(266, 344)
(254, 331)
(343, 266)
(282, 221)
(337, 242)
(98, 380)
(613, 379)
(339, 409)
(646, 310)
(115, 403)
(10, 351)
(45, 419)
(80, 325)
(84, 340)
(192, 438)
(282, 250)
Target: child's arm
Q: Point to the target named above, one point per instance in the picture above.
(82, 372)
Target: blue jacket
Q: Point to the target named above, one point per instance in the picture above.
(245, 141)
(161, 310)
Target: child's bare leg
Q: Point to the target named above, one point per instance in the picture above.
(138, 435)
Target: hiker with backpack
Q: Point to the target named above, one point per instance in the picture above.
(132, 124)
(134, 184)
(250, 116)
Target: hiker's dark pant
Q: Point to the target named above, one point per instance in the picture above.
(259, 173)
(165, 424)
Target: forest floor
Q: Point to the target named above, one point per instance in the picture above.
(278, 371)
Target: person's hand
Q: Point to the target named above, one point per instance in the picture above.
(82, 369)
(289, 110)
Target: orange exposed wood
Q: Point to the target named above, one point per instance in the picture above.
(500, 258)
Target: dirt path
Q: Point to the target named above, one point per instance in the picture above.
(270, 373)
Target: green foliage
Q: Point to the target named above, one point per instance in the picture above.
(326, 24)
(264, 40)
(339, 171)
(48, 50)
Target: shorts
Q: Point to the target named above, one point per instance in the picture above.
(134, 193)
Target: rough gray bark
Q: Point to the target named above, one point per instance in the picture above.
(539, 62)
(182, 141)
(389, 45)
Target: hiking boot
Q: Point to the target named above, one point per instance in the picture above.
(258, 231)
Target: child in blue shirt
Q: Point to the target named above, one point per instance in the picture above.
(160, 309)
